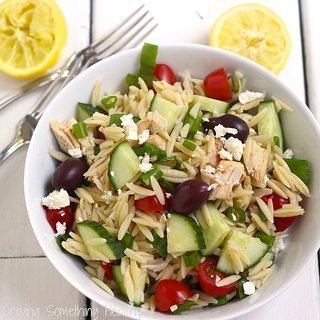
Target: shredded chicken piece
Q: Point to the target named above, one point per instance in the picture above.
(256, 160)
(227, 176)
(156, 140)
(213, 154)
(158, 122)
(64, 136)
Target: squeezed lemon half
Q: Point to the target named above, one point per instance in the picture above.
(255, 32)
(32, 34)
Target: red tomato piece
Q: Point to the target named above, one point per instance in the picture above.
(164, 73)
(281, 224)
(107, 270)
(151, 204)
(61, 215)
(100, 135)
(216, 85)
(207, 274)
(171, 292)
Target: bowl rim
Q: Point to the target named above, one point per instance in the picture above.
(135, 51)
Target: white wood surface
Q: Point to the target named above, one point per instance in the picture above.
(31, 284)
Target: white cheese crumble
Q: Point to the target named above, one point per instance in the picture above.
(212, 186)
(288, 154)
(248, 96)
(61, 229)
(144, 136)
(130, 127)
(119, 192)
(56, 199)
(174, 308)
(278, 246)
(234, 218)
(209, 169)
(265, 179)
(112, 173)
(168, 195)
(235, 147)
(205, 119)
(75, 153)
(224, 154)
(221, 131)
(145, 165)
(249, 288)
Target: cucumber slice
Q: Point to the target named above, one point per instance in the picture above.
(123, 165)
(214, 106)
(214, 235)
(270, 256)
(112, 249)
(167, 109)
(86, 110)
(300, 168)
(253, 247)
(270, 124)
(183, 234)
(139, 292)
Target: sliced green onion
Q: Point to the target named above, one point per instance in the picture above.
(109, 102)
(239, 288)
(148, 56)
(179, 162)
(155, 171)
(115, 119)
(266, 238)
(167, 184)
(192, 258)
(155, 151)
(136, 119)
(262, 215)
(300, 168)
(189, 144)
(276, 141)
(234, 83)
(132, 80)
(96, 150)
(194, 123)
(236, 214)
(159, 244)
(139, 150)
(79, 130)
(184, 306)
(127, 240)
(60, 239)
(221, 301)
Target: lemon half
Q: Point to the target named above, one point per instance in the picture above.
(32, 34)
(255, 32)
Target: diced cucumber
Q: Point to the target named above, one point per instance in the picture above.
(112, 249)
(270, 124)
(194, 123)
(139, 290)
(253, 247)
(300, 168)
(217, 107)
(86, 110)
(123, 165)
(183, 234)
(214, 235)
(167, 109)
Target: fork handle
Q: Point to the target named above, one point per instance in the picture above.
(15, 145)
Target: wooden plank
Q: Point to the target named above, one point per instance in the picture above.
(15, 228)
(31, 288)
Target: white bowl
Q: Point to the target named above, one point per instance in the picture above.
(301, 133)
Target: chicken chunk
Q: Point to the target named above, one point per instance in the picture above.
(156, 140)
(256, 160)
(213, 153)
(228, 175)
(158, 122)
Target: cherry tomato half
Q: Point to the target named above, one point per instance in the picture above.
(100, 135)
(281, 224)
(107, 270)
(61, 215)
(164, 73)
(171, 292)
(207, 274)
(216, 85)
(151, 204)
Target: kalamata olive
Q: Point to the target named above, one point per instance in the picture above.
(189, 196)
(69, 174)
(229, 121)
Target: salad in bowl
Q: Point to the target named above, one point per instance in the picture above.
(175, 192)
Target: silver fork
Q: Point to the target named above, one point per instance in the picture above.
(125, 35)
(122, 34)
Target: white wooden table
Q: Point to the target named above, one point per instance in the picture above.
(30, 288)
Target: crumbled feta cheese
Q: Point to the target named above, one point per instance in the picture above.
(209, 169)
(145, 165)
(130, 127)
(109, 193)
(174, 308)
(168, 195)
(205, 119)
(212, 186)
(224, 154)
(75, 153)
(61, 229)
(278, 246)
(248, 96)
(265, 179)
(119, 192)
(288, 154)
(234, 218)
(144, 136)
(80, 219)
(235, 147)
(112, 173)
(56, 199)
(249, 288)
(221, 131)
